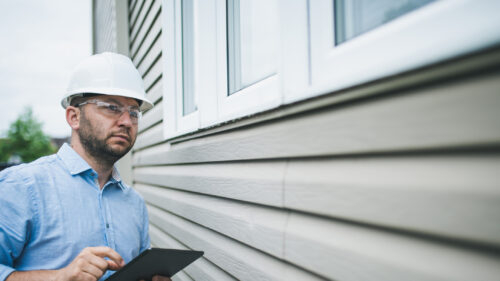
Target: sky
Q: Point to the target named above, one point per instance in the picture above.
(41, 43)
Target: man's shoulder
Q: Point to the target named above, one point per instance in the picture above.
(42, 166)
(133, 194)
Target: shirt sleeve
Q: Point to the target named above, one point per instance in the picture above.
(145, 243)
(15, 219)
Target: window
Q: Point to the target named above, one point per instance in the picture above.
(225, 59)
(249, 53)
(348, 48)
(189, 65)
(252, 46)
(179, 72)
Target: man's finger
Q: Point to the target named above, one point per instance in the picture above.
(88, 276)
(108, 252)
(93, 270)
(98, 262)
(112, 265)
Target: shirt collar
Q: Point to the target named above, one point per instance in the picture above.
(115, 177)
(77, 165)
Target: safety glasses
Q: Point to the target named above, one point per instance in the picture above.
(114, 110)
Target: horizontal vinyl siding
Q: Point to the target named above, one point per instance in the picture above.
(308, 239)
(203, 269)
(257, 182)
(152, 37)
(450, 196)
(239, 260)
(144, 27)
(400, 186)
(459, 193)
(261, 227)
(154, 116)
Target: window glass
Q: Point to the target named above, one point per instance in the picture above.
(188, 93)
(354, 17)
(252, 39)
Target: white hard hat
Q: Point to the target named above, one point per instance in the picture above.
(107, 74)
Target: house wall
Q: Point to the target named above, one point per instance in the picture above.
(395, 179)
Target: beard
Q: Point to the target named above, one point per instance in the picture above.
(98, 147)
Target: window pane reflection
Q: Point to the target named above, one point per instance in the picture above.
(354, 17)
(252, 41)
(188, 94)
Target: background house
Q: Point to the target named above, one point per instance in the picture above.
(315, 139)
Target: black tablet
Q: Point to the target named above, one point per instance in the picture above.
(155, 261)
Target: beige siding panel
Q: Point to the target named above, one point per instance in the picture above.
(146, 26)
(140, 19)
(257, 226)
(451, 196)
(351, 253)
(150, 136)
(242, 262)
(461, 195)
(260, 183)
(201, 269)
(153, 75)
(151, 117)
(155, 93)
(157, 149)
(153, 55)
(462, 114)
(131, 8)
(137, 9)
(153, 37)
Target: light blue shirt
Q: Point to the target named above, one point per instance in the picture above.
(52, 208)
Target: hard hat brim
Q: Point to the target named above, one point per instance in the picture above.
(145, 103)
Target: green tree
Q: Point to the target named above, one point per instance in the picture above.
(25, 139)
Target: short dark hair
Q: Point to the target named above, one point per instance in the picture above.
(81, 98)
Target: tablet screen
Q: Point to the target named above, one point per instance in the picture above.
(155, 261)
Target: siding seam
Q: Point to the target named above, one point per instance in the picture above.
(288, 211)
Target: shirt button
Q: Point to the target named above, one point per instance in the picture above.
(107, 225)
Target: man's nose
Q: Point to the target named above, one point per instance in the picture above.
(125, 119)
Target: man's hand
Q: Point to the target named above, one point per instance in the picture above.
(91, 264)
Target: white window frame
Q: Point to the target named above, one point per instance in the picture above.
(175, 123)
(263, 95)
(438, 31)
(191, 121)
(210, 71)
(169, 75)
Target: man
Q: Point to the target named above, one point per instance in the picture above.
(68, 216)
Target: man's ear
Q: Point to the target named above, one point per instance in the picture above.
(73, 117)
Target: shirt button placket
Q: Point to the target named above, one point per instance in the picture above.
(103, 217)
(107, 218)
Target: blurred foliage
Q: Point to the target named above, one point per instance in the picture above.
(25, 140)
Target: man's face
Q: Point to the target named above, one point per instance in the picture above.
(104, 135)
